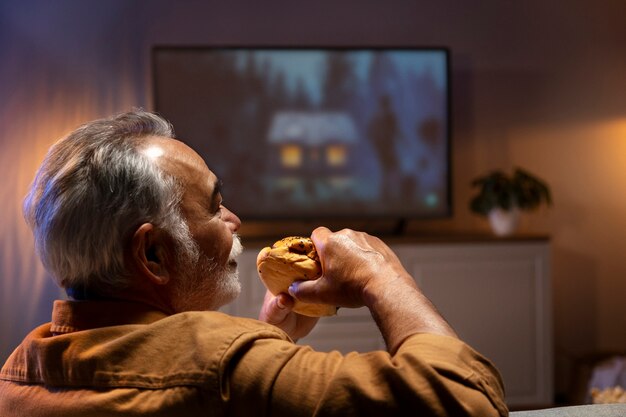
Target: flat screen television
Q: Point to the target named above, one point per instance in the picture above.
(315, 133)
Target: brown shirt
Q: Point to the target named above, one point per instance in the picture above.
(124, 359)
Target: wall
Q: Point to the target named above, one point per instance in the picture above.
(535, 84)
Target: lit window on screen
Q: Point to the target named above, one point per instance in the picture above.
(336, 155)
(291, 156)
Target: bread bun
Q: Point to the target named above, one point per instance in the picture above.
(288, 260)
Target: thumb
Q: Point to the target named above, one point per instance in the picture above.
(307, 291)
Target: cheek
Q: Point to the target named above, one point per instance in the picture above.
(216, 244)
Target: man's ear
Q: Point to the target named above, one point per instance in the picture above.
(149, 254)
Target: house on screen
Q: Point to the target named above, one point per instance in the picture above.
(310, 153)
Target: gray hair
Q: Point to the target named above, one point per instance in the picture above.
(91, 192)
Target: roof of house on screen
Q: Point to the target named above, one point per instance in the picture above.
(312, 128)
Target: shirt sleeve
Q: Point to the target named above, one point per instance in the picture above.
(430, 375)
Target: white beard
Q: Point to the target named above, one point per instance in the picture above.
(205, 285)
(228, 283)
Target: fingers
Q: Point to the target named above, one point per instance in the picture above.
(349, 260)
(308, 291)
(319, 236)
(276, 308)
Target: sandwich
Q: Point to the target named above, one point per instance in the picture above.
(288, 260)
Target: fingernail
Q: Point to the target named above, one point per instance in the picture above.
(292, 289)
(279, 303)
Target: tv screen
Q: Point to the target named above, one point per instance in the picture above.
(314, 132)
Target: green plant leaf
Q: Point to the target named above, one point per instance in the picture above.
(499, 190)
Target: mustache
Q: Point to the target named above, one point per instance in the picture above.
(236, 248)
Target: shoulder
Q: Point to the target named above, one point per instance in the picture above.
(212, 326)
(218, 322)
(216, 332)
(208, 342)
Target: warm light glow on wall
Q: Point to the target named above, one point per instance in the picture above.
(585, 164)
(605, 160)
(616, 130)
(28, 126)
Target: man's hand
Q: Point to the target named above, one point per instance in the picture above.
(353, 263)
(276, 310)
(359, 269)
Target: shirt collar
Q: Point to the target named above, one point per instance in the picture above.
(72, 316)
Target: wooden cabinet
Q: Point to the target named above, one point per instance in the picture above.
(495, 293)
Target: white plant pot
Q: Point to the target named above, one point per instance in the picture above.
(504, 222)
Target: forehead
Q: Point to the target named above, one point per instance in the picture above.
(176, 158)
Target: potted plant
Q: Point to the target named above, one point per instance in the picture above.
(501, 197)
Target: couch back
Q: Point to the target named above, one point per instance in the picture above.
(595, 410)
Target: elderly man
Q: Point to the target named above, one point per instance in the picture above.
(131, 223)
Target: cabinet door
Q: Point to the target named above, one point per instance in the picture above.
(497, 299)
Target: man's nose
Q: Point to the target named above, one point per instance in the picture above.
(232, 219)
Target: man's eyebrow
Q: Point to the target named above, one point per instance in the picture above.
(217, 189)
